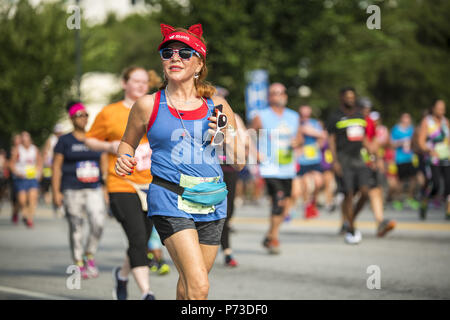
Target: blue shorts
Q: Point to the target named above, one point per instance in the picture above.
(304, 169)
(25, 184)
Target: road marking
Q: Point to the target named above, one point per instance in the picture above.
(360, 224)
(32, 294)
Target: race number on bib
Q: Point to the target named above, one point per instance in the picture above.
(88, 171)
(310, 152)
(355, 133)
(30, 172)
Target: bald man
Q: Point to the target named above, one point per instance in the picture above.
(278, 128)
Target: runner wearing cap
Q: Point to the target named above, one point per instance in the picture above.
(278, 128)
(186, 132)
(127, 194)
(76, 183)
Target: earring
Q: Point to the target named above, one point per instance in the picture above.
(196, 75)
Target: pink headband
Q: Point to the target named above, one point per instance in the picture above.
(195, 43)
(75, 108)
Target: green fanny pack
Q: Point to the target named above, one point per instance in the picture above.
(205, 193)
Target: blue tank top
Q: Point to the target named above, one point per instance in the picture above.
(280, 161)
(311, 153)
(182, 155)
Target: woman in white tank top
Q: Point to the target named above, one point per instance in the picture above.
(26, 167)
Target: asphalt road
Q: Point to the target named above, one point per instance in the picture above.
(412, 262)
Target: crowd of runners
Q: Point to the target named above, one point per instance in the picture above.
(129, 164)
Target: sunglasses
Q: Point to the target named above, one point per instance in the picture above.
(222, 121)
(183, 53)
(81, 115)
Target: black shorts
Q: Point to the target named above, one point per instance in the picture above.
(355, 175)
(209, 232)
(45, 184)
(406, 170)
(375, 179)
(304, 169)
(278, 189)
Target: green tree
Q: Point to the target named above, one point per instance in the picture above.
(37, 63)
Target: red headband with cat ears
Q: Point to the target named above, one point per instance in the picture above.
(195, 43)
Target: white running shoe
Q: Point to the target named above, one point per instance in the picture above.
(353, 238)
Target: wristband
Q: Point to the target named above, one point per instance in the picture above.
(128, 155)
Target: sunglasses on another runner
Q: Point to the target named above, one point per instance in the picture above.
(222, 121)
(81, 115)
(183, 53)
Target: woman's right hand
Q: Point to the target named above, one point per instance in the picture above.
(125, 165)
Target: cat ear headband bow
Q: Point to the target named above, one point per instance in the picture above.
(194, 42)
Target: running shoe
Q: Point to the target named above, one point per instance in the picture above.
(423, 209)
(15, 218)
(311, 211)
(28, 223)
(163, 267)
(120, 286)
(353, 238)
(230, 261)
(397, 205)
(413, 203)
(91, 267)
(152, 263)
(385, 226)
(272, 245)
(84, 272)
(149, 296)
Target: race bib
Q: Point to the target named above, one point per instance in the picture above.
(47, 172)
(310, 152)
(189, 206)
(392, 169)
(442, 150)
(355, 133)
(328, 156)
(30, 171)
(143, 155)
(285, 156)
(87, 171)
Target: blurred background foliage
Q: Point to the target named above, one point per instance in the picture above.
(322, 44)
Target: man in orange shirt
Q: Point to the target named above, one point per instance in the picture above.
(127, 194)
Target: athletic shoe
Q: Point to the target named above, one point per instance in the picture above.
(163, 267)
(385, 226)
(311, 211)
(84, 272)
(120, 286)
(230, 262)
(92, 268)
(273, 245)
(149, 296)
(398, 205)
(15, 218)
(353, 238)
(413, 203)
(152, 263)
(28, 223)
(423, 209)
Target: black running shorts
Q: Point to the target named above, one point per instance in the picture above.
(209, 232)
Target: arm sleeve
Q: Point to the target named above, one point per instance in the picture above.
(331, 124)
